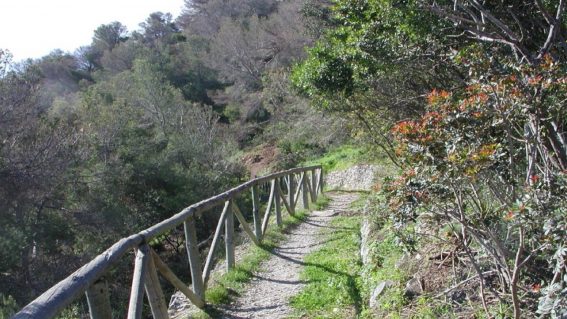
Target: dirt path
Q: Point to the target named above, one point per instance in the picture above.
(268, 293)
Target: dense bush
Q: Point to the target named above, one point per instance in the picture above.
(487, 162)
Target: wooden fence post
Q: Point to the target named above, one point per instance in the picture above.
(136, 303)
(305, 191)
(291, 193)
(310, 189)
(98, 299)
(244, 223)
(256, 213)
(278, 203)
(194, 257)
(268, 208)
(321, 182)
(154, 292)
(176, 282)
(229, 238)
(218, 231)
(283, 199)
(314, 180)
(298, 192)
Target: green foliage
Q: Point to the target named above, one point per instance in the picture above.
(373, 66)
(368, 36)
(8, 306)
(428, 308)
(232, 113)
(217, 295)
(70, 312)
(322, 202)
(466, 162)
(331, 273)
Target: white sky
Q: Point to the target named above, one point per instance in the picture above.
(34, 28)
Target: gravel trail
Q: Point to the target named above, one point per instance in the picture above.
(267, 295)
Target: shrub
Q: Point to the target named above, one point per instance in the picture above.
(492, 159)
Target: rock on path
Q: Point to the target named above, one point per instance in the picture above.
(267, 295)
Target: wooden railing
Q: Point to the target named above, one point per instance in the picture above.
(299, 184)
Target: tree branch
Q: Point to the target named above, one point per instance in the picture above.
(554, 26)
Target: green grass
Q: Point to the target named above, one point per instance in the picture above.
(322, 202)
(385, 254)
(341, 158)
(331, 273)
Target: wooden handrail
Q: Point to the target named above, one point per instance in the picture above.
(54, 300)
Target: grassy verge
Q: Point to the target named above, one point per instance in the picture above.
(331, 273)
(341, 158)
(232, 283)
(389, 264)
(385, 255)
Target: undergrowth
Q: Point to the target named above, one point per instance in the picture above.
(385, 253)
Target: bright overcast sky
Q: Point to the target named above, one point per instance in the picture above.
(33, 28)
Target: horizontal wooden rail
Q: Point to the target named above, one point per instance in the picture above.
(148, 264)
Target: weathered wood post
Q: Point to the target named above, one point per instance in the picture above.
(155, 295)
(194, 257)
(291, 193)
(168, 274)
(268, 208)
(217, 235)
(305, 191)
(309, 186)
(98, 299)
(314, 185)
(321, 182)
(229, 238)
(277, 199)
(256, 212)
(283, 198)
(136, 303)
(244, 223)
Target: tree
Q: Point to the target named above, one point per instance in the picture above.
(159, 28)
(122, 56)
(377, 64)
(36, 155)
(5, 60)
(531, 29)
(107, 36)
(60, 76)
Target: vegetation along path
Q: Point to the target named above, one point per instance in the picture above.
(268, 294)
